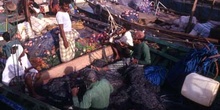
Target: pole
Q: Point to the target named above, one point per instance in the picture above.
(26, 11)
(191, 16)
(6, 24)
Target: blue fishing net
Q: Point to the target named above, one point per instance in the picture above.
(155, 74)
(196, 61)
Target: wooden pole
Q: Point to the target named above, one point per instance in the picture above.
(26, 11)
(6, 24)
(191, 16)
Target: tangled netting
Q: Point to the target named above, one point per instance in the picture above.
(132, 90)
(136, 93)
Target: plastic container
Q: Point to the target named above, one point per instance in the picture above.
(200, 89)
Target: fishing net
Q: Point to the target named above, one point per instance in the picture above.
(136, 91)
(130, 86)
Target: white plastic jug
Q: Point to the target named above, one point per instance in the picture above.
(200, 89)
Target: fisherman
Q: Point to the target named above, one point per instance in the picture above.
(140, 55)
(141, 51)
(97, 95)
(67, 36)
(7, 47)
(122, 46)
(18, 70)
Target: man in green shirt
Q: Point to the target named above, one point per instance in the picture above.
(97, 95)
(141, 51)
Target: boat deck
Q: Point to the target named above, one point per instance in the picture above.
(118, 9)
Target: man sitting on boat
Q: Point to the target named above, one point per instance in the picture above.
(97, 95)
(203, 29)
(140, 55)
(141, 51)
(18, 70)
(67, 35)
(122, 45)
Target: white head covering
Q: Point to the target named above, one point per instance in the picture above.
(14, 67)
(127, 38)
(18, 52)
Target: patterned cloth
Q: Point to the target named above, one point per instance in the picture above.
(17, 80)
(203, 29)
(66, 54)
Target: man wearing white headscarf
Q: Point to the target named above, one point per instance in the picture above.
(18, 69)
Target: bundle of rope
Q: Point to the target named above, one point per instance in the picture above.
(202, 61)
(113, 25)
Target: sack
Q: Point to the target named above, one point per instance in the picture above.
(24, 31)
(37, 24)
(155, 74)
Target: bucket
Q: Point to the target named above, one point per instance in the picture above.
(200, 89)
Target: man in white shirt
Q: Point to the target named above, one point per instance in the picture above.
(67, 36)
(122, 45)
(18, 70)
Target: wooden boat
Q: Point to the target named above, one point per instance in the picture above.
(12, 99)
(108, 9)
(207, 9)
(166, 55)
(164, 52)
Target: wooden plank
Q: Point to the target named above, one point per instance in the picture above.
(165, 55)
(181, 35)
(169, 44)
(74, 65)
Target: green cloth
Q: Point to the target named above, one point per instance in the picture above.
(97, 96)
(141, 52)
(7, 47)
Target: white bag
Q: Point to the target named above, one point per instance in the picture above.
(25, 31)
(200, 89)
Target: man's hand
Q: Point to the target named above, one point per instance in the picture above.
(66, 45)
(75, 91)
(134, 61)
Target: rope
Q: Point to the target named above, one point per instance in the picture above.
(202, 61)
(113, 24)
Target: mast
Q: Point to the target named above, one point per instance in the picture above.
(191, 16)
